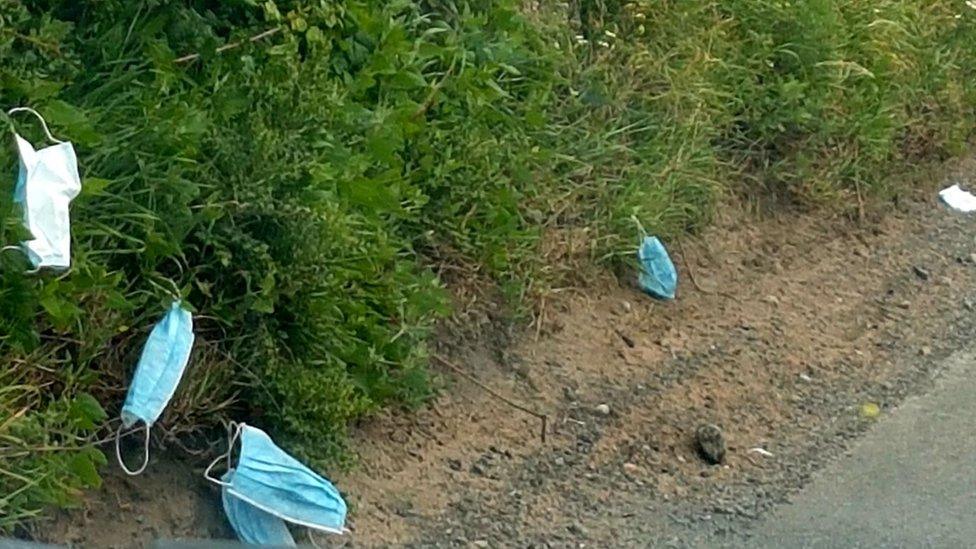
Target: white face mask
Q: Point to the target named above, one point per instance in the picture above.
(47, 182)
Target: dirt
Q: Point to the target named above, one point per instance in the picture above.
(797, 323)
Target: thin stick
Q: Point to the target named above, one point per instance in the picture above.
(432, 96)
(691, 275)
(457, 369)
(860, 201)
(53, 48)
(232, 45)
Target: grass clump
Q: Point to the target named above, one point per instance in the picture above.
(310, 193)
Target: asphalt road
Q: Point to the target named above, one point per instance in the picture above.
(909, 482)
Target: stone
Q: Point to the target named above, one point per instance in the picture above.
(711, 442)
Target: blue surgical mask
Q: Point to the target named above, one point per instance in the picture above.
(657, 275)
(271, 480)
(252, 525)
(158, 373)
(47, 181)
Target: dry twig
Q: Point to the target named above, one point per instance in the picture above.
(457, 369)
(193, 56)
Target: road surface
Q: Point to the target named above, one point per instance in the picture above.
(910, 482)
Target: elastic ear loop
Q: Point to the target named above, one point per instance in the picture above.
(234, 430)
(174, 293)
(47, 132)
(314, 542)
(118, 453)
(640, 227)
(20, 249)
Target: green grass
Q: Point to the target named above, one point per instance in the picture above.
(302, 191)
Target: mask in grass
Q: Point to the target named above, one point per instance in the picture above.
(157, 375)
(47, 181)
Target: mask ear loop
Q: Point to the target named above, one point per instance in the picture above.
(234, 432)
(118, 453)
(640, 227)
(312, 536)
(20, 249)
(47, 132)
(173, 293)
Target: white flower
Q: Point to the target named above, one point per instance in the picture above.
(971, 4)
(603, 43)
(610, 34)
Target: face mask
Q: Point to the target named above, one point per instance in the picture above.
(657, 275)
(158, 373)
(271, 480)
(46, 183)
(252, 525)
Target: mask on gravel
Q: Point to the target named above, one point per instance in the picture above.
(47, 181)
(274, 482)
(252, 525)
(157, 375)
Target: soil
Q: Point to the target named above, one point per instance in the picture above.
(794, 324)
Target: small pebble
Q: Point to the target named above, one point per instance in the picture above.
(481, 543)
(603, 409)
(920, 272)
(631, 468)
(925, 350)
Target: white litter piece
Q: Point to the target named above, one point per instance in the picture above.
(761, 451)
(958, 199)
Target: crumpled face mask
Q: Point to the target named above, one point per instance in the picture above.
(657, 274)
(252, 525)
(271, 480)
(157, 375)
(47, 181)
